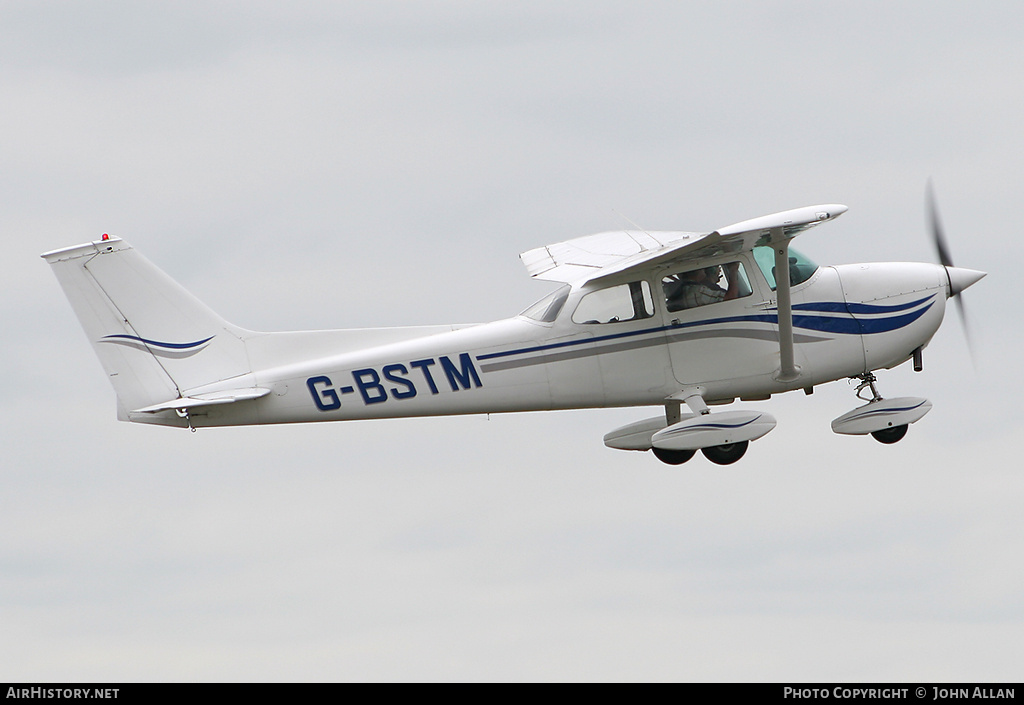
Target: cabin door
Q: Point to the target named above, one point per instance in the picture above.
(717, 324)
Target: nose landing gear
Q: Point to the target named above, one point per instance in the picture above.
(886, 420)
(868, 380)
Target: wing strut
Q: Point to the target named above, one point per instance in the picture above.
(788, 370)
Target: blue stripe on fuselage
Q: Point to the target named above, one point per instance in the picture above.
(830, 324)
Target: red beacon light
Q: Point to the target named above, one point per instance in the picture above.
(105, 237)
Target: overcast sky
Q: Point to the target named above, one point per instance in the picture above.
(333, 164)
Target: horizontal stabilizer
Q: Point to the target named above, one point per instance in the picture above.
(208, 399)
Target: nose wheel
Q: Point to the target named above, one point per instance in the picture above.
(890, 435)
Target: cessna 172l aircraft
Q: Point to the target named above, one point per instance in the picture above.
(678, 320)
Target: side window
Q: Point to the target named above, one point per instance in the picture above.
(626, 302)
(707, 285)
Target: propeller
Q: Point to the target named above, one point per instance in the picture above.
(959, 279)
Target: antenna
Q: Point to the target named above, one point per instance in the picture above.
(643, 248)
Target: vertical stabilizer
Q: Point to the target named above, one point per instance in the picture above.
(154, 339)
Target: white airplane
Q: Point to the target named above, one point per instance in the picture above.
(676, 320)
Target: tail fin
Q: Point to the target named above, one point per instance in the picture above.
(154, 339)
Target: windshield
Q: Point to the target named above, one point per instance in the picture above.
(800, 266)
(546, 310)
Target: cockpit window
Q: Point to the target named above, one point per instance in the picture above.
(626, 302)
(707, 285)
(800, 267)
(547, 309)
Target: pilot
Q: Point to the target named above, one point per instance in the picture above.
(700, 287)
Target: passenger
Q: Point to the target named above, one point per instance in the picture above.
(700, 287)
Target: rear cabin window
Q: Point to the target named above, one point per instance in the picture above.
(547, 309)
(616, 304)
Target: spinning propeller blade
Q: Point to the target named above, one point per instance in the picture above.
(959, 279)
(938, 236)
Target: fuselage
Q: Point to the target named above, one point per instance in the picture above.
(619, 343)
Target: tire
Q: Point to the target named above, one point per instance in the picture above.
(890, 435)
(725, 454)
(673, 457)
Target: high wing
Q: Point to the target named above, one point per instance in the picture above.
(597, 257)
(585, 257)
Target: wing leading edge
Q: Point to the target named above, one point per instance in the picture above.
(597, 257)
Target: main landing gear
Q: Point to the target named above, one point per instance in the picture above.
(676, 437)
(886, 420)
(725, 454)
(673, 457)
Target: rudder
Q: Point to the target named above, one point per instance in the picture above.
(154, 339)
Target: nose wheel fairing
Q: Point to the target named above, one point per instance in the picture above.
(882, 415)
